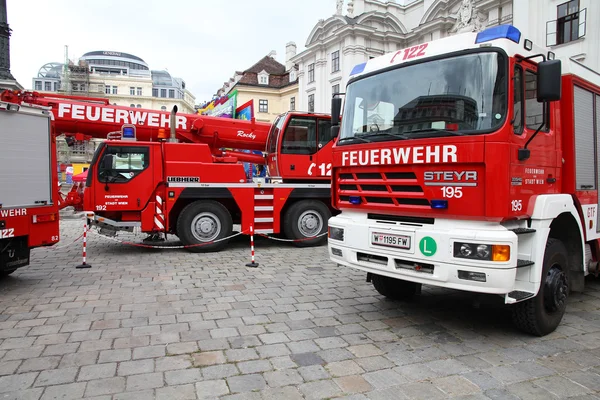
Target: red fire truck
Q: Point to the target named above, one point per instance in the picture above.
(28, 182)
(170, 174)
(471, 163)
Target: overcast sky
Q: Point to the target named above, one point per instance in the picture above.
(204, 42)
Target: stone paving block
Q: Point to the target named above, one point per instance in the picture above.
(135, 367)
(99, 371)
(56, 376)
(252, 367)
(384, 379)
(79, 359)
(246, 383)
(100, 387)
(139, 395)
(283, 378)
(182, 392)
(20, 354)
(365, 350)
(313, 373)
(528, 390)
(13, 383)
(303, 346)
(343, 368)
(181, 377)
(272, 350)
(219, 371)
(208, 358)
(68, 391)
(455, 386)
(561, 387)
(420, 390)
(320, 389)
(307, 359)
(149, 352)
(182, 348)
(211, 389)
(28, 394)
(144, 381)
(236, 355)
(60, 349)
(114, 355)
(353, 384)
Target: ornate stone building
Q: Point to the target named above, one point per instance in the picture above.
(369, 28)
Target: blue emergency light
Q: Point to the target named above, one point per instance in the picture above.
(128, 132)
(354, 200)
(358, 68)
(439, 204)
(499, 32)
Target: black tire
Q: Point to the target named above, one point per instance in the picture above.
(6, 272)
(217, 222)
(395, 289)
(304, 219)
(542, 314)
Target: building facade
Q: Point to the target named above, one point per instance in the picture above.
(362, 29)
(125, 79)
(270, 85)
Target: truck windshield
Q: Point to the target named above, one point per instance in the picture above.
(462, 95)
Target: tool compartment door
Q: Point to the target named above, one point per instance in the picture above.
(25, 157)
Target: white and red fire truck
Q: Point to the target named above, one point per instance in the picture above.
(188, 185)
(28, 184)
(471, 163)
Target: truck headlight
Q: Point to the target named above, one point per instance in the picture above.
(484, 252)
(336, 233)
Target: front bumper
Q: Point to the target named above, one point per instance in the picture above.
(430, 259)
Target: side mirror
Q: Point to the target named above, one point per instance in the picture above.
(336, 109)
(335, 131)
(549, 81)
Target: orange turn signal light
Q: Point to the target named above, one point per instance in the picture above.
(500, 252)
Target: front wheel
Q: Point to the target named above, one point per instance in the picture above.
(542, 314)
(204, 225)
(307, 219)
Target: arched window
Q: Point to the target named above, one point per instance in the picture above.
(132, 105)
(163, 108)
(139, 106)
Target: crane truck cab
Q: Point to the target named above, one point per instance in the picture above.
(186, 190)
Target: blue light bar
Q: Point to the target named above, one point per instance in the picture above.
(128, 132)
(358, 69)
(499, 32)
(439, 204)
(354, 200)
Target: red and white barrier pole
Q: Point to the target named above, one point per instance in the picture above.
(84, 264)
(252, 264)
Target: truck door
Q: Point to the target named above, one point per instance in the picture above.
(324, 145)
(537, 174)
(297, 158)
(124, 178)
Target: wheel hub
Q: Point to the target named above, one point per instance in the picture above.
(556, 289)
(206, 227)
(310, 223)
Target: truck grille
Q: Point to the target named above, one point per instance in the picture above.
(383, 188)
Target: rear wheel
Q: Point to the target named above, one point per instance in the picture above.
(307, 219)
(202, 223)
(542, 314)
(395, 289)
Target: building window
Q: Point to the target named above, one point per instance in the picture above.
(311, 103)
(139, 91)
(171, 93)
(311, 73)
(38, 85)
(264, 80)
(56, 86)
(139, 106)
(570, 24)
(107, 89)
(114, 90)
(154, 92)
(132, 105)
(335, 89)
(132, 91)
(335, 61)
(293, 104)
(263, 106)
(163, 92)
(48, 86)
(163, 108)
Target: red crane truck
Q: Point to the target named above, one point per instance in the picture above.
(28, 182)
(187, 185)
(471, 163)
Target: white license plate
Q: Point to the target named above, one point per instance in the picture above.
(389, 240)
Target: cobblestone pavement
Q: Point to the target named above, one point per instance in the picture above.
(148, 324)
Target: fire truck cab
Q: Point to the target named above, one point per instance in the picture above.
(470, 163)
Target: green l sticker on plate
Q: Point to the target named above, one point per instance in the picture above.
(428, 246)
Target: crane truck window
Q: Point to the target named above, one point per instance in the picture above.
(300, 136)
(122, 163)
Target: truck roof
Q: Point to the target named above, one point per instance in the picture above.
(506, 37)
